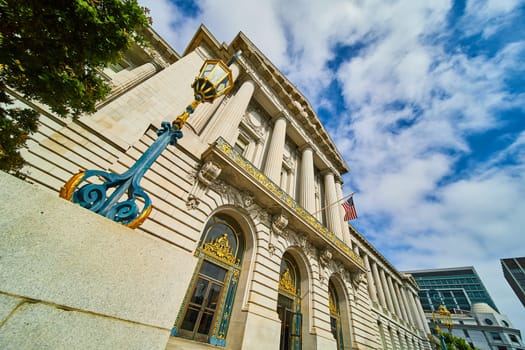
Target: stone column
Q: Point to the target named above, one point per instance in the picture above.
(307, 181)
(387, 291)
(274, 160)
(371, 284)
(226, 123)
(126, 79)
(394, 297)
(415, 311)
(379, 286)
(407, 307)
(333, 217)
(421, 313)
(401, 303)
(344, 225)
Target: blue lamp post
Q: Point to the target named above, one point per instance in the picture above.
(120, 197)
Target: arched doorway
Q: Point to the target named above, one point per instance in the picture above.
(289, 305)
(206, 310)
(335, 316)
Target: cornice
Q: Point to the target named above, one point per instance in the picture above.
(291, 99)
(377, 255)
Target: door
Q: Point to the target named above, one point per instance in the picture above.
(291, 322)
(200, 313)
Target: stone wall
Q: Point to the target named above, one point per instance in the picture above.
(70, 279)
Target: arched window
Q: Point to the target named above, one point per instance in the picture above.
(289, 305)
(335, 316)
(206, 310)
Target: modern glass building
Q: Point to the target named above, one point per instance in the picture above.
(457, 288)
(514, 272)
(473, 313)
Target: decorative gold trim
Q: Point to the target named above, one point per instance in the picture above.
(331, 305)
(220, 249)
(141, 218)
(286, 283)
(68, 189)
(289, 201)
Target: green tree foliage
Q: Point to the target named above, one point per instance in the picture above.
(50, 51)
(456, 343)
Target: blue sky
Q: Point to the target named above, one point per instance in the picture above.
(424, 99)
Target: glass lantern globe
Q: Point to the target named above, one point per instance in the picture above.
(214, 80)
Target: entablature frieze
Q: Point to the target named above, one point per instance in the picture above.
(242, 174)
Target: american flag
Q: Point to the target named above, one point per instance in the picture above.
(350, 213)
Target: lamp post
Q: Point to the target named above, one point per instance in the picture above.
(215, 79)
(443, 317)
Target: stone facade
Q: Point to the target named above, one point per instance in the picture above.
(241, 194)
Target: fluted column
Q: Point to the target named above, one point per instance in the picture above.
(204, 112)
(344, 225)
(379, 286)
(274, 161)
(126, 79)
(394, 297)
(415, 310)
(226, 123)
(410, 318)
(421, 313)
(333, 217)
(371, 284)
(401, 302)
(397, 290)
(307, 182)
(388, 295)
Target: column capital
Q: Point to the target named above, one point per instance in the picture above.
(329, 171)
(304, 147)
(278, 116)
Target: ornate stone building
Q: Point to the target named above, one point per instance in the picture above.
(238, 203)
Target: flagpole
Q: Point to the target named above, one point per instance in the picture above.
(334, 203)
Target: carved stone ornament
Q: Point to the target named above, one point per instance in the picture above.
(357, 278)
(247, 198)
(279, 223)
(324, 258)
(206, 175)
